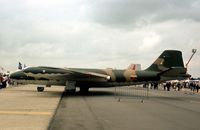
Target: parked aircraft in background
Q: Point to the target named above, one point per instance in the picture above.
(168, 66)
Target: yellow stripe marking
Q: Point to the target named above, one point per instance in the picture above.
(26, 113)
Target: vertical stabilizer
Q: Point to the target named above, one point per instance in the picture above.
(168, 59)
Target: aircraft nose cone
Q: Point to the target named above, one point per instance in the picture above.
(17, 75)
(13, 75)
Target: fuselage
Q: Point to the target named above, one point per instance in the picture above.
(58, 76)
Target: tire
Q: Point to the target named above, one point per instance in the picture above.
(84, 90)
(40, 89)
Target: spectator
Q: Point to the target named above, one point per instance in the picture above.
(164, 85)
(168, 85)
(1, 80)
(4, 82)
(197, 87)
(155, 85)
(179, 86)
(192, 86)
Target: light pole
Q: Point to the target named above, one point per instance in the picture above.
(193, 52)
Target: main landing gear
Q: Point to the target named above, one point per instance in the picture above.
(70, 87)
(84, 90)
(40, 89)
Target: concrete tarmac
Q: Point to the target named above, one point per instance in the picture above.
(23, 108)
(100, 110)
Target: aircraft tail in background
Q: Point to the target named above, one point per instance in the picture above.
(134, 67)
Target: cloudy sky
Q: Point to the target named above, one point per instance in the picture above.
(97, 33)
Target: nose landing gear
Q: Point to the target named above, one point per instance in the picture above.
(40, 89)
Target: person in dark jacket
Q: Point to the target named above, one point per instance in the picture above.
(4, 82)
(1, 80)
(168, 85)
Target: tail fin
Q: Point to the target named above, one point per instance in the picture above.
(168, 59)
(169, 65)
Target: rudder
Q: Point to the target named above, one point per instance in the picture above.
(168, 59)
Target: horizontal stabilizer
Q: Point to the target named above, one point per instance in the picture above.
(174, 72)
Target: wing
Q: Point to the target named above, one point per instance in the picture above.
(84, 74)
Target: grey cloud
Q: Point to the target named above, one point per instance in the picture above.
(99, 34)
(122, 13)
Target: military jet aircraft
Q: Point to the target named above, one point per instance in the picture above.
(168, 66)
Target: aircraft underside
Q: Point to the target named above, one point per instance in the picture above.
(71, 85)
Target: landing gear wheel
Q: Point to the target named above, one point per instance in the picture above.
(70, 92)
(70, 87)
(84, 90)
(48, 86)
(40, 89)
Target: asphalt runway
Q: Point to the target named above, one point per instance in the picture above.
(23, 108)
(101, 110)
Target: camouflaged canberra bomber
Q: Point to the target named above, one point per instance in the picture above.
(168, 66)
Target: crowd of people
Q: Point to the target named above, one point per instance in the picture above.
(193, 85)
